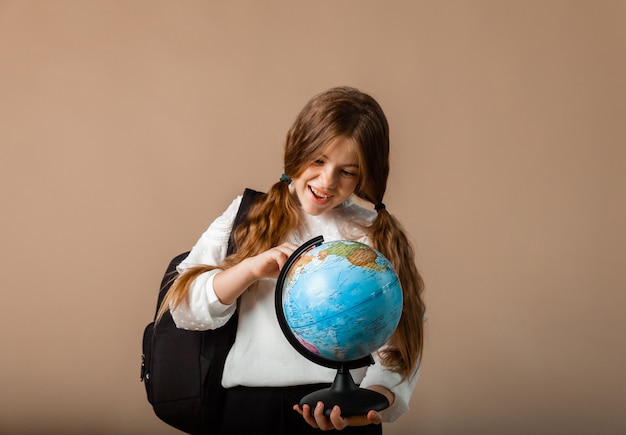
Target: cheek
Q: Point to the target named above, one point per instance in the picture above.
(301, 186)
(306, 174)
(349, 186)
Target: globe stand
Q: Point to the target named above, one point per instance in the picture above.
(344, 392)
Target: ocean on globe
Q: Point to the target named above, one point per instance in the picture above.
(341, 300)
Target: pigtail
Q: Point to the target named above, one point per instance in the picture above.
(407, 342)
(269, 219)
(179, 289)
(266, 225)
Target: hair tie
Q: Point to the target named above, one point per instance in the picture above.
(379, 206)
(285, 178)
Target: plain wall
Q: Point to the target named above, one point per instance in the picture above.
(127, 126)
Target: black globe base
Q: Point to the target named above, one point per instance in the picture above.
(344, 392)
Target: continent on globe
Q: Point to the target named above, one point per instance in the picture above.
(354, 252)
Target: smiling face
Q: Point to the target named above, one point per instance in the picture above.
(335, 131)
(330, 179)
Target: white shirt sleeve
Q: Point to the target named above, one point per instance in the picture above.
(201, 309)
(377, 374)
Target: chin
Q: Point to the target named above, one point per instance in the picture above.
(313, 211)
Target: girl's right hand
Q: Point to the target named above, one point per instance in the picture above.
(229, 284)
(268, 264)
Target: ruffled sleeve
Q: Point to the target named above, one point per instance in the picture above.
(377, 374)
(202, 310)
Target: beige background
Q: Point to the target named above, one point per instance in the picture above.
(127, 126)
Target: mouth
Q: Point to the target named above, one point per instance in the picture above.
(319, 195)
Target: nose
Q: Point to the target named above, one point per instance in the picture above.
(329, 177)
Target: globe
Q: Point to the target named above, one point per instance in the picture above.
(338, 302)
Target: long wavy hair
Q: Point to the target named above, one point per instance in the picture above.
(349, 113)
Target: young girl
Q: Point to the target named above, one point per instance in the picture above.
(337, 147)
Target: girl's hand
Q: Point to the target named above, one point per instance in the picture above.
(269, 263)
(230, 283)
(317, 418)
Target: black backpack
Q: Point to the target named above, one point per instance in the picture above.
(182, 370)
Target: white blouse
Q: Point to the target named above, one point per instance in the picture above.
(261, 355)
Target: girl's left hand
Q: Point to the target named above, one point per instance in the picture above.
(317, 418)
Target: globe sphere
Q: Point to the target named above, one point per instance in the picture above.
(341, 300)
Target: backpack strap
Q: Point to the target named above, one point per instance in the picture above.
(217, 343)
(249, 197)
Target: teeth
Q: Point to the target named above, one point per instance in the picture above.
(318, 194)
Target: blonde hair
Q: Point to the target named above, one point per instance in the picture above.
(338, 112)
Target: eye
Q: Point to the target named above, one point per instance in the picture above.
(347, 173)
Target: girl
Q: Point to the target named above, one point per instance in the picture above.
(337, 147)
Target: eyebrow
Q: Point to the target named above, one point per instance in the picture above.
(352, 165)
